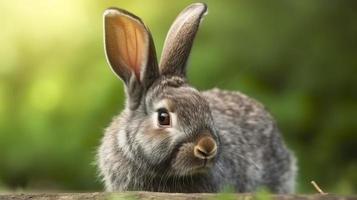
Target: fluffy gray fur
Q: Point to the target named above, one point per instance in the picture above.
(136, 155)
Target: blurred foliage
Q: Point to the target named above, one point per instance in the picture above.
(57, 93)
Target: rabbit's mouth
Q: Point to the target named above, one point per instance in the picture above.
(207, 165)
(204, 168)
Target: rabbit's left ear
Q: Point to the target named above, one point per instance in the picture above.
(179, 40)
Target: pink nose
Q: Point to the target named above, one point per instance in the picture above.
(206, 148)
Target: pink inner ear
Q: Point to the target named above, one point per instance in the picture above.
(130, 38)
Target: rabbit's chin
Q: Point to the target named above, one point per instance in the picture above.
(185, 163)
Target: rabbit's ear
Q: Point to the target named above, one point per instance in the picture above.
(180, 38)
(129, 49)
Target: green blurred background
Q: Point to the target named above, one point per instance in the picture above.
(57, 94)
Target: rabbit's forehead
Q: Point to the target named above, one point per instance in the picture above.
(176, 99)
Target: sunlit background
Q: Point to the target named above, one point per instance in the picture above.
(57, 93)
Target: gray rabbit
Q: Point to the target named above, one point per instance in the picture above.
(173, 138)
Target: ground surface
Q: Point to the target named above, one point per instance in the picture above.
(166, 196)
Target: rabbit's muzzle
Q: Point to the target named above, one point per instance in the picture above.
(195, 156)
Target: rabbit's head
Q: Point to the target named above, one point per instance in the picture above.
(168, 124)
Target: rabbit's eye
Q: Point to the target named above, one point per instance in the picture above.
(163, 117)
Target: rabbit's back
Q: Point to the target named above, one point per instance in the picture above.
(253, 153)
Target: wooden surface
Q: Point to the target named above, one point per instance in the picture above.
(166, 196)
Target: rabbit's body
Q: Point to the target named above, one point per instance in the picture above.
(171, 137)
(253, 154)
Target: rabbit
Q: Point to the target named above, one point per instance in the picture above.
(170, 137)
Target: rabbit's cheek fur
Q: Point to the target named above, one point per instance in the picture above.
(156, 143)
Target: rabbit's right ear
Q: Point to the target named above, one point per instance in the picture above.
(130, 50)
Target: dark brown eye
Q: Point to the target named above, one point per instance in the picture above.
(163, 117)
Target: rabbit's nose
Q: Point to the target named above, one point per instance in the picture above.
(206, 148)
